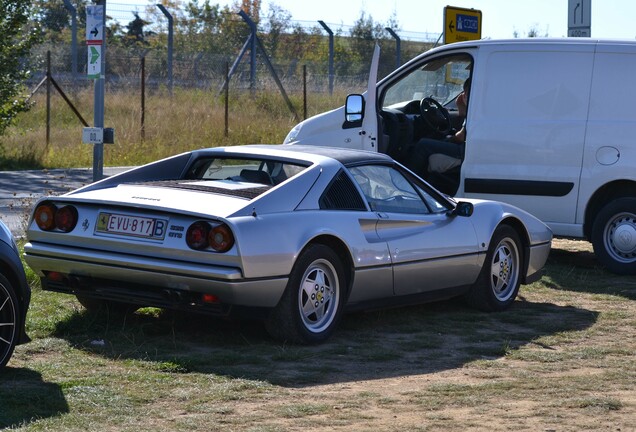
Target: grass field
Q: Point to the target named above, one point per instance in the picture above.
(189, 119)
(563, 358)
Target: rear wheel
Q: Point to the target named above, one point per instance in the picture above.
(499, 280)
(312, 303)
(614, 236)
(9, 320)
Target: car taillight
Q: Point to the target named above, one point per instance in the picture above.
(66, 218)
(197, 235)
(49, 217)
(221, 238)
(45, 216)
(202, 235)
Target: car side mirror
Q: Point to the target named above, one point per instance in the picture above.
(463, 208)
(354, 108)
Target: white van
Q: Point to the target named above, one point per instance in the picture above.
(550, 128)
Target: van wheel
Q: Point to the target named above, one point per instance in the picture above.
(614, 236)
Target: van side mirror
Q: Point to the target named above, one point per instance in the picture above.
(354, 108)
(463, 208)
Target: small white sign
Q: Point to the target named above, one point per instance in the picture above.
(93, 135)
(95, 23)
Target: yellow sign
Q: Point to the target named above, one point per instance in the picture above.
(461, 24)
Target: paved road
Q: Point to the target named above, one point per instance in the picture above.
(20, 189)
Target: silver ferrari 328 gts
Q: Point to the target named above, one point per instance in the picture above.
(292, 235)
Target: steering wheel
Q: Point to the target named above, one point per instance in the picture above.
(435, 115)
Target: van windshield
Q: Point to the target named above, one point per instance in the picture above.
(440, 79)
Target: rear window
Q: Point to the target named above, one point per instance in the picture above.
(260, 171)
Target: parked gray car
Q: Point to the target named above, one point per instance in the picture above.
(290, 234)
(15, 296)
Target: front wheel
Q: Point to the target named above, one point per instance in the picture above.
(312, 303)
(499, 280)
(614, 236)
(9, 320)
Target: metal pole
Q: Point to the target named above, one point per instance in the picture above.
(143, 97)
(197, 59)
(304, 92)
(398, 59)
(438, 39)
(48, 98)
(98, 114)
(73, 12)
(227, 99)
(247, 43)
(331, 71)
(170, 37)
(253, 42)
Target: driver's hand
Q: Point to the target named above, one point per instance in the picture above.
(461, 104)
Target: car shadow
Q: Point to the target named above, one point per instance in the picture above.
(420, 339)
(577, 269)
(26, 397)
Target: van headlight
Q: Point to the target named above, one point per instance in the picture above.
(291, 136)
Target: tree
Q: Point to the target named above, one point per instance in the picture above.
(54, 16)
(533, 32)
(278, 23)
(135, 34)
(19, 35)
(365, 33)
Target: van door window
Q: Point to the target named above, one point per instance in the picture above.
(441, 79)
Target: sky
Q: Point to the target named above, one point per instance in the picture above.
(500, 18)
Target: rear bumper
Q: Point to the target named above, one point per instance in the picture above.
(147, 281)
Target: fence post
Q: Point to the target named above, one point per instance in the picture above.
(143, 97)
(73, 12)
(252, 42)
(170, 37)
(398, 56)
(331, 71)
(304, 92)
(227, 99)
(48, 98)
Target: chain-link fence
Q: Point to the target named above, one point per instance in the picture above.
(205, 71)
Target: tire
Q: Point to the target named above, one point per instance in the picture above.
(614, 236)
(10, 321)
(498, 283)
(311, 306)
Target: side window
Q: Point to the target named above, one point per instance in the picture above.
(387, 190)
(342, 195)
(440, 78)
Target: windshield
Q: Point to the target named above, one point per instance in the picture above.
(441, 79)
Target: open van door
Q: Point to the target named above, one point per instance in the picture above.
(353, 126)
(369, 132)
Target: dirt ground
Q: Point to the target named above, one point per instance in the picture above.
(580, 381)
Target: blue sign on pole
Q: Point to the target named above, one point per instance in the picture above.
(467, 23)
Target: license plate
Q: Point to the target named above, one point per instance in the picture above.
(136, 226)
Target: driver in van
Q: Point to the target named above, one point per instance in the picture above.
(450, 150)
